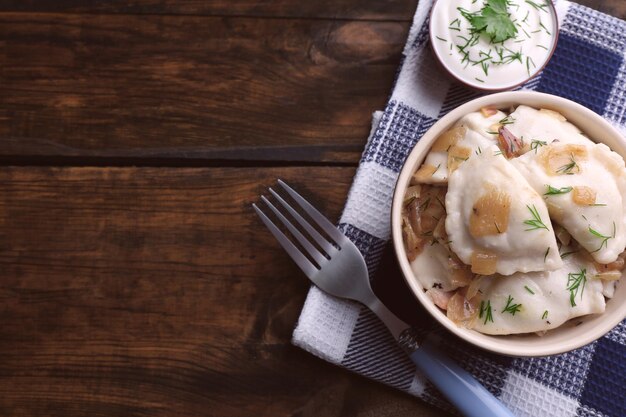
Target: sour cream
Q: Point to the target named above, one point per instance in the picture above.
(476, 60)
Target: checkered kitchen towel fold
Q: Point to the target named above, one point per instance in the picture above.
(589, 66)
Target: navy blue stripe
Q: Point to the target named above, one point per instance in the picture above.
(397, 133)
(594, 374)
(457, 95)
(373, 352)
(588, 81)
(605, 386)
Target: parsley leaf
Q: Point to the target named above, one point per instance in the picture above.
(494, 21)
(498, 6)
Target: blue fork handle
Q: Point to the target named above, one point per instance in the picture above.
(457, 385)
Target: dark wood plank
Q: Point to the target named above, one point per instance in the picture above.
(146, 291)
(332, 9)
(188, 88)
(175, 90)
(615, 8)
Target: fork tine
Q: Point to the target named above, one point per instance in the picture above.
(305, 265)
(319, 218)
(321, 240)
(311, 250)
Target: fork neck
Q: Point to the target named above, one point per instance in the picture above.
(393, 323)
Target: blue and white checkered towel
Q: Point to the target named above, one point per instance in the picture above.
(589, 67)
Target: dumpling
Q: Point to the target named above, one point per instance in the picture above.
(468, 137)
(584, 188)
(608, 288)
(538, 128)
(434, 267)
(496, 222)
(538, 301)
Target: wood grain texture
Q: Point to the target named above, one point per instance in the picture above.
(330, 9)
(155, 291)
(141, 291)
(192, 88)
(615, 8)
(173, 90)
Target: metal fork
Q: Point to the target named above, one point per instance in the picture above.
(340, 270)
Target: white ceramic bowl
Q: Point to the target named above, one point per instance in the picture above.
(562, 339)
(488, 84)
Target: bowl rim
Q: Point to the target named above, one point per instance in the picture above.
(490, 342)
(446, 68)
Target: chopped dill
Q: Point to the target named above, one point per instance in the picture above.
(529, 290)
(506, 59)
(568, 168)
(576, 282)
(507, 120)
(566, 254)
(441, 39)
(511, 307)
(545, 315)
(537, 6)
(485, 67)
(545, 256)
(529, 61)
(500, 53)
(605, 239)
(556, 191)
(485, 310)
(536, 144)
(536, 222)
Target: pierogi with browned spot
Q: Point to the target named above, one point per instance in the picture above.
(529, 226)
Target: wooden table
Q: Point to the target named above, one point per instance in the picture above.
(134, 278)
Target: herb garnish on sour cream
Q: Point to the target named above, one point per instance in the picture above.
(493, 20)
(493, 44)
